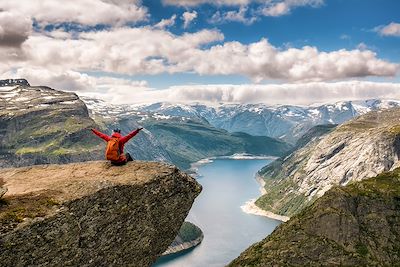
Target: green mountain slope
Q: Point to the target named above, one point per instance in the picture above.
(40, 125)
(189, 141)
(361, 148)
(356, 225)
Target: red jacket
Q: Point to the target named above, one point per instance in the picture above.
(122, 140)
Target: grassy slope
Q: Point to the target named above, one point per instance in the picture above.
(276, 173)
(54, 134)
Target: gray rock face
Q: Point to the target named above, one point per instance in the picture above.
(3, 190)
(361, 148)
(12, 82)
(92, 214)
(355, 225)
(40, 125)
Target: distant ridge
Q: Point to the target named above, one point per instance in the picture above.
(10, 82)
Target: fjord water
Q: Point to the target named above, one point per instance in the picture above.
(227, 185)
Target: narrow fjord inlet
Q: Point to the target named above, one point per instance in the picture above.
(227, 185)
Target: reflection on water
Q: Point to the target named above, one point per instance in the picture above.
(227, 185)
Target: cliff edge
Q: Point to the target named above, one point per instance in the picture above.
(92, 214)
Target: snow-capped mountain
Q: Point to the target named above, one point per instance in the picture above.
(286, 122)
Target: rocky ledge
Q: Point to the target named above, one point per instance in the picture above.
(92, 214)
(355, 225)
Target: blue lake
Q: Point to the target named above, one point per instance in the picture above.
(227, 185)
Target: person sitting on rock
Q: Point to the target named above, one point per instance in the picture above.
(115, 145)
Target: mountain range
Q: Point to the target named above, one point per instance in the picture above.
(286, 122)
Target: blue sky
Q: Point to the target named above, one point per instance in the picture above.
(135, 47)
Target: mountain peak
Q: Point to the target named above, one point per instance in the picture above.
(12, 82)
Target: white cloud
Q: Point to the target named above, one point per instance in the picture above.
(295, 94)
(88, 12)
(188, 17)
(126, 91)
(272, 8)
(262, 61)
(165, 23)
(392, 29)
(279, 8)
(147, 50)
(239, 16)
(200, 2)
(121, 50)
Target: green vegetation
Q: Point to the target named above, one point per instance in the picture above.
(356, 225)
(13, 210)
(290, 202)
(189, 232)
(49, 135)
(189, 141)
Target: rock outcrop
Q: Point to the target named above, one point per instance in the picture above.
(92, 214)
(39, 125)
(13, 82)
(355, 225)
(189, 236)
(3, 189)
(360, 148)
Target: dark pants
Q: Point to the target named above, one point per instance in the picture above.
(120, 163)
(128, 157)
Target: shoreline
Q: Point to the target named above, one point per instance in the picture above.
(183, 246)
(250, 206)
(239, 156)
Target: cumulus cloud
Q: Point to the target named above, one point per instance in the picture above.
(392, 29)
(279, 8)
(13, 32)
(188, 17)
(296, 94)
(127, 91)
(146, 50)
(293, 94)
(262, 61)
(165, 23)
(116, 90)
(122, 50)
(88, 12)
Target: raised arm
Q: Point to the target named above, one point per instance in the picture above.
(101, 135)
(126, 138)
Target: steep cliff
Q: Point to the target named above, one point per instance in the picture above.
(360, 148)
(92, 214)
(40, 125)
(355, 225)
